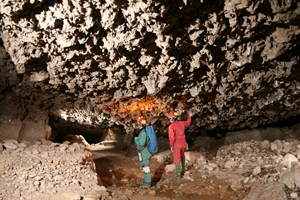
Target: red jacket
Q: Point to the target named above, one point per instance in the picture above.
(176, 130)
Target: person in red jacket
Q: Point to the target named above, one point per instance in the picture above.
(177, 141)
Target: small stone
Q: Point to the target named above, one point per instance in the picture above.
(246, 180)
(294, 195)
(223, 187)
(256, 170)
(288, 159)
(152, 192)
(10, 145)
(273, 146)
(287, 147)
(252, 180)
(230, 164)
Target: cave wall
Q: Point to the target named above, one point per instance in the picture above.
(233, 63)
(17, 123)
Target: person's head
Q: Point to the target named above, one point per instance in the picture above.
(173, 116)
(142, 123)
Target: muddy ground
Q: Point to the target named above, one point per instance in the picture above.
(122, 175)
(228, 172)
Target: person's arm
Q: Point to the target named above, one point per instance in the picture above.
(188, 121)
(141, 140)
(171, 137)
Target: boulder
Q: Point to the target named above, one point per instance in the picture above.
(170, 168)
(291, 177)
(274, 191)
(194, 157)
(287, 160)
(162, 156)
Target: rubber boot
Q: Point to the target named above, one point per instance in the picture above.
(177, 172)
(183, 164)
(146, 180)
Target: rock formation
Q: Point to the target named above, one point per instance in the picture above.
(234, 63)
(46, 170)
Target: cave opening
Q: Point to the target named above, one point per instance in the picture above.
(105, 145)
(62, 131)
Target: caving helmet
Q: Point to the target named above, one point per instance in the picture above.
(173, 115)
(142, 121)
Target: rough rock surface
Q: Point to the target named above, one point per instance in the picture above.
(234, 63)
(269, 191)
(46, 170)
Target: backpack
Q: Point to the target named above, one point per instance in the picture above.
(153, 146)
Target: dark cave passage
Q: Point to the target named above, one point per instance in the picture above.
(61, 132)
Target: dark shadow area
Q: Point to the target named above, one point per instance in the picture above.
(92, 136)
(107, 173)
(62, 131)
(157, 175)
(283, 123)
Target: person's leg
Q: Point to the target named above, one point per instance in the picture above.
(147, 177)
(183, 164)
(146, 167)
(176, 155)
(182, 156)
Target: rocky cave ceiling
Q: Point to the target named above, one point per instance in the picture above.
(234, 63)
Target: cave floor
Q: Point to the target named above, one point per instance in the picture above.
(122, 174)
